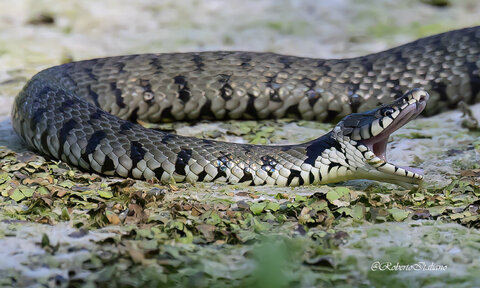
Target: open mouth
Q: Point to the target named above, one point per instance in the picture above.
(378, 144)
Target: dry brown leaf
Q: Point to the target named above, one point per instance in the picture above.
(207, 231)
(113, 218)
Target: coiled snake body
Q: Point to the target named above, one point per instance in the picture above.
(84, 112)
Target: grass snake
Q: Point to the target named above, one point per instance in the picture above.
(86, 113)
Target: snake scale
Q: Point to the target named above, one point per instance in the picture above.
(85, 113)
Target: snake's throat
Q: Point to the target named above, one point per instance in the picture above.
(378, 144)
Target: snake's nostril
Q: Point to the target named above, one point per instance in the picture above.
(424, 96)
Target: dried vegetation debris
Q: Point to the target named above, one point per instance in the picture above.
(166, 235)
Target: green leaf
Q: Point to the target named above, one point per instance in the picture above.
(436, 210)
(178, 225)
(213, 219)
(43, 191)
(332, 195)
(4, 178)
(398, 214)
(358, 212)
(279, 196)
(300, 198)
(17, 195)
(258, 226)
(342, 191)
(257, 207)
(35, 164)
(65, 215)
(274, 206)
(45, 241)
(27, 191)
(105, 194)
(347, 211)
(456, 216)
(67, 184)
(4, 188)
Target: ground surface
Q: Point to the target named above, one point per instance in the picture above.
(59, 226)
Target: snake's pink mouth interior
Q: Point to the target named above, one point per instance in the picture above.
(378, 144)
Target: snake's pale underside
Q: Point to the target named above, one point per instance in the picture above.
(85, 113)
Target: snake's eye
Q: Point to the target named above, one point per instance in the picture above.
(387, 111)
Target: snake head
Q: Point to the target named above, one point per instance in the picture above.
(365, 136)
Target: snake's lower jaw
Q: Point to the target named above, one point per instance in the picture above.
(393, 178)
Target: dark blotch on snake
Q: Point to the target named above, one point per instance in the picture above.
(66, 104)
(367, 63)
(311, 94)
(134, 115)
(120, 65)
(43, 139)
(331, 115)
(63, 133)
(220, 173)
(197, 59)
(317, 146)
(268, 160)
(167, 113)
(182, 160)
(159, 172)
(108, 164)
(226, 91)
(441, 89)
(206, 111)
(93, 142)
(311, 177)
(293, 110)
(96, 115)
(312, 97)
(137, 153)
(245, 60)
(202, 175)
(355, 102)
(396, 87)
(183, 90)
(274, 88)
(294, 173)
(147, 91)
(473, 73)
(156, 63)
(118, 95)
(333, 164)
(127, 125)
(93, 95)
(247, 176)
(167, 138)
(400, 59)
(251, 110)
(90, 74)
(286, 61)
(72, 81)
(37, 115)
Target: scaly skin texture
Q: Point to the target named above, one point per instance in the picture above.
(74, 112)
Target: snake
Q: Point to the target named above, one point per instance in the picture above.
(89, 113)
